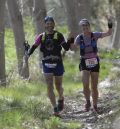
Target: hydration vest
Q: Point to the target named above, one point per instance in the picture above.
(83, 46)
(50, 46)
(44, 36)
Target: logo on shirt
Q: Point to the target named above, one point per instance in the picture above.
(49, 45)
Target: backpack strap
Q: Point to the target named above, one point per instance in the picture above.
(43, 36)
(92, 36)
(54, 37)
(81, 39)
(82, 44)
(93, 43)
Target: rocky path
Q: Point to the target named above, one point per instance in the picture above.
(108, 104)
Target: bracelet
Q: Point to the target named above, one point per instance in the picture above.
(110, 25)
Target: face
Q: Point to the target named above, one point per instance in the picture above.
(85, 28)
(49, 26)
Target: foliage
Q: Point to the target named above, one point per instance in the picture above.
(29, 29)
(107, 58)
(10, 53)
(23, 104)
(56, 123)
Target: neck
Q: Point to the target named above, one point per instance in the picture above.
(87, 34)
(50, 32)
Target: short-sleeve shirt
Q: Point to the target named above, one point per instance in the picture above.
(87, 42)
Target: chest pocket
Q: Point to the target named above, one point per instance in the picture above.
(50, 43)
(83, 46)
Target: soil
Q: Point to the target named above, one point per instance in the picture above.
(108, 115)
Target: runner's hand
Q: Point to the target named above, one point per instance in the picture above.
(70, 38)
(110, 23)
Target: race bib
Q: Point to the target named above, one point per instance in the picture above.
(91, 62)
(48, 65)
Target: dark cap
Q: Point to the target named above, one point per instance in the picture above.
(48, 18)
(84, 22)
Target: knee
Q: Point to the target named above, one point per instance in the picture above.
(94, 88)
(86, 89)
(86, 85)
(50, 89)
(58, 84)
(59, 88)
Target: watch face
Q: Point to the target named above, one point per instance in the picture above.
(49, 45)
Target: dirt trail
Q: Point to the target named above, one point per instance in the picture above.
(108, 104)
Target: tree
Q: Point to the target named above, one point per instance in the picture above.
(39, 14)
(2, 51)
(82, 9)
(37, 10)
(30, 5)
(17, 26)
(116, 37)
(71, 16)
(76, 10)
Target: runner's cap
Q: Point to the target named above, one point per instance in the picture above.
(84, 22)
(48, 18)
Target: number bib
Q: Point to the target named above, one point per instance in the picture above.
(91, 62)
(48, 65)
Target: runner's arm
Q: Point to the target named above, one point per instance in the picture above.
(35, 45)
(76, 44)
(109, 32)
(63, 43)
(105, 34)
(32, 49)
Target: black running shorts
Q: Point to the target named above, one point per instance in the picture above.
(82, 66)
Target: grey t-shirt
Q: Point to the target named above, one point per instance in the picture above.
(87, 41)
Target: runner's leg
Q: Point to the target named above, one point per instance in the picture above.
(85, 80)
(94, 88)
(86, 89)
(50, 88)
(59, 88)
(58, 84)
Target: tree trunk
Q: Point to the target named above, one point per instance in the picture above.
(116, 36)
(71, 16)
(30, 6)
(2, 51)
(82, 9)
(39, 14)
(17, 26)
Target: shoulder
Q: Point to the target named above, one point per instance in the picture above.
(77, 39)
(39, 36)
(38, 39)
(59, 34)
(97, 34)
